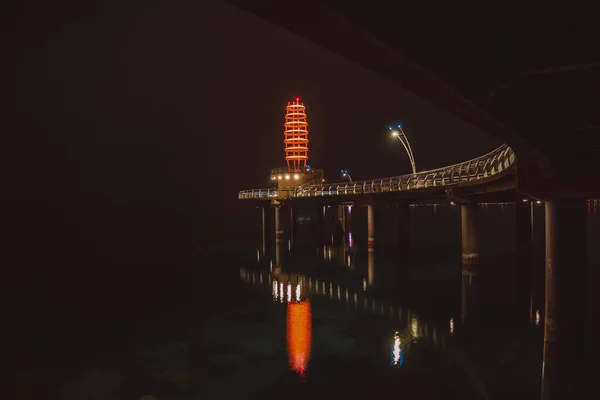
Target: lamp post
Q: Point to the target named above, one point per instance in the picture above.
(346, 174)
(399, 133)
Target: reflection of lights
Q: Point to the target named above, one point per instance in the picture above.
(275, 294)
(397, 353)
(338, 293)
(451, 326)
(281, 292)
(289, 244)
(298, 292)
(414, 328)
(299, 335)
(271, 265)
(289, 292)
(537, 317)
(364, 284)
(257, 255)
(350, 240)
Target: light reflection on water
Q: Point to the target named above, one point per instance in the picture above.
(299, 335)
(397, 351)
(298, 289)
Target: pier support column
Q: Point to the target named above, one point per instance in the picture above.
(278, 228)
(278, 236)
(470, 260)
(468, 223)
(370, 268)
(564, 334)
(524, 260)
(371, 227)
(341, 216)
(263, 229)
(403, 226)
(292, 226)
(319, 226)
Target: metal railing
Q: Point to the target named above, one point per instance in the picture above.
(483, 167)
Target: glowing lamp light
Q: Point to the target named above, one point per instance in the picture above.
(287, 177)
(296, 176)
(390, 127)
(399, 126)
(299, 335)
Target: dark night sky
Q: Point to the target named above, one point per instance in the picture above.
(141, 121)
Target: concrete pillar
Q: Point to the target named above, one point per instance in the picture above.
(524, 271)
(564, 333)
(341, 216)
(370, 268)
(468, 218)
(319, 226)
(278, 236)
(371, 227)
(470, 261)
(403, 226)
(292, 225)
(278, 227)
(263, 229)
(278, 245)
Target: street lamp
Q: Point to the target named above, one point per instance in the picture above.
(346, 174)
(399, 133)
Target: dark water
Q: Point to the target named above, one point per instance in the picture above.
(320, 317)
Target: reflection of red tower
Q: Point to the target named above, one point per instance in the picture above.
(299, 335)
(296, 136)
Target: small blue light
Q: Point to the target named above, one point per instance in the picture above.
(400, 126)
(390, 128)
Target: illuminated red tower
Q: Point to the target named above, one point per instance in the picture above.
(298, 172)
(296, 136)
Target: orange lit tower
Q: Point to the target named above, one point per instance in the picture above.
(296, 136)
(295, 141)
